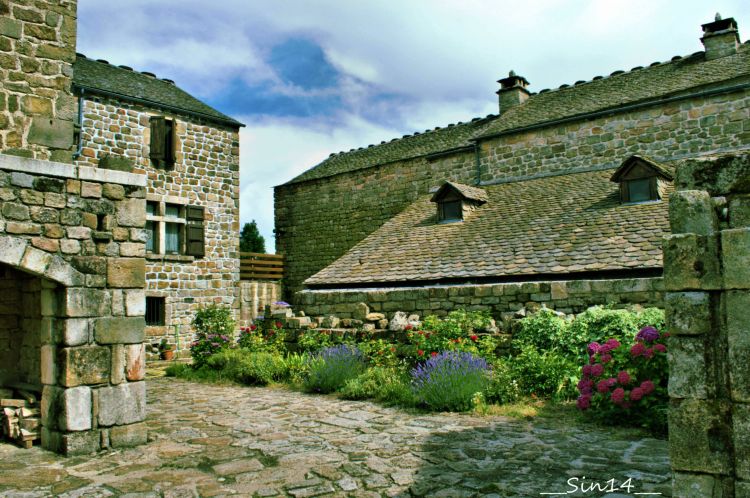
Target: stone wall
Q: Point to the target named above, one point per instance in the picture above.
(37, 49)
(707, 278)
(572, 296)
(255, 295)
(79, 322)
(10, 323)
(319, 220)
(205, 173)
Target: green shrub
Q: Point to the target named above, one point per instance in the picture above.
(332, 367)
(213, 326)
(297, 367)
(502, 387)
(264, 335)
(460, 330)
(544, 373)
(543, 330)
(599, 324)
(653, 317)
(250, 368)
(450, 380)
(384, 384)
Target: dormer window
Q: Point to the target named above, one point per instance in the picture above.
(641, 180)
(455, 201)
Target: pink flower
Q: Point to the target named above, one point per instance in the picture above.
(593, 348)
(647, 334)
(584, 402)
(618, 395)
(660, 348)
(586, 370)
(647, 387)
(648, 353)
(611, 382)
(602, 386)
(636, 394)
(585, 385)
(637, 349)
(592, 359)
(597, 370)
(613, 344)
(605, 358)
(623, 377)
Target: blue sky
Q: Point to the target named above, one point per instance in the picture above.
(311, 78)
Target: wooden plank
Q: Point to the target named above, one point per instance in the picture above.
(259, 276)
(17, 403)
(261, 263)
(255, 269)
(27, 395)
(260, 255)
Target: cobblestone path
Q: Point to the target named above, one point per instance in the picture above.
(211, 440)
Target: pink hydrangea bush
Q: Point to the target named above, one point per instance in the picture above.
(627, 383)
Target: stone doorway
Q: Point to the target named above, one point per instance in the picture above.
(28, 305)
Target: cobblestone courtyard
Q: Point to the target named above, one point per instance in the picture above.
(210, 440)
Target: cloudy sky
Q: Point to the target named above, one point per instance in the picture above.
(311, 77)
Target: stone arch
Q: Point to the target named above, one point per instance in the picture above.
(18, 253)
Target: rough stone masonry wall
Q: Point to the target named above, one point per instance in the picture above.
(318, 221)
(567, 297)
(10, 326)
(86, 302)
(707, 278)
(255, 295)
(206, 173)
(37, 49)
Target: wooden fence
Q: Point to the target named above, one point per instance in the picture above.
(257, 266)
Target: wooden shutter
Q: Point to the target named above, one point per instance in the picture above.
(195, 233)
(169, 140)
(158, 150)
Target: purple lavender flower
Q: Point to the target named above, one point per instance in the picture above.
(647, 334)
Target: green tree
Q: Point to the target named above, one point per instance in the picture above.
(251, 240)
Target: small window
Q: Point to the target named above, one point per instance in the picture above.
(640, 190)
(155, 311)
(172, 210)
(162, 146)
(451, 210)
(172, 238)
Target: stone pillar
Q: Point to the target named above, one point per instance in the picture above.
(707, 276)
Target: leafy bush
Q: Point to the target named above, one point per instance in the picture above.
(380, 353)
(502, 386)
(627, 382)
(315, 340)
(380, 383)
(544, 373)
(543, 330)
(296, 367)
(653, 317)
(252, 368)
(332, 367)
(597, 324)
(459, 331)
(263, 335)
(449, 380)
(213, 327)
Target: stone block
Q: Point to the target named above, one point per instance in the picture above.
(126, 272)
(738, 337)
(398, 322)
(49, 364)
(131, 213)
(135, 362)
(298, 322)
(330, 322)
(739, 211)
(117, 372)
(700, 436)
(116, 163)
(80, 443)
(735, 254)
(10, 27)
(698, 486)
(22, 180)
(74, 332)
(688, 313)
(558, 290)
(53, 133)
(135, 302)
(91, 190)
(360, 311)
(62, 272)
(83, 365)
(50, 406)
(35, 260)
(687, 368)
(120, 330)
(692, 211)
(82, 302)
(718, 176)
(122, 404)
(12, 250)
(113, 191)
(741, 426)
(76, 409)
(691, 262)
(126, 436)
(374, 317)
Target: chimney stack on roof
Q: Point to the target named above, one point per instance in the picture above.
(720, 37)
(512, 91)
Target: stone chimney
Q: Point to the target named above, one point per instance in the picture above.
(512, 91)
(720, 37)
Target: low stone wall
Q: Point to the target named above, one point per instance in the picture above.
(255, 295)
(573, 296)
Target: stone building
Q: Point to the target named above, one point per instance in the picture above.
(559, 199)
(133, 121)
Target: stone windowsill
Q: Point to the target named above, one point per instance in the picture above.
(179, 258)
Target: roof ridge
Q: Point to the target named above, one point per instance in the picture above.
(127, 68)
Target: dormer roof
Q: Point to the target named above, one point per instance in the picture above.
(636, 160)
(467, 192)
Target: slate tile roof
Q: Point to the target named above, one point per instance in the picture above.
(102, 77)
(638, 85)
(554, 225)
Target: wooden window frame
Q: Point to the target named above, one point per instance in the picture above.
(653, 189)
(156, 311)
(163, 141)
